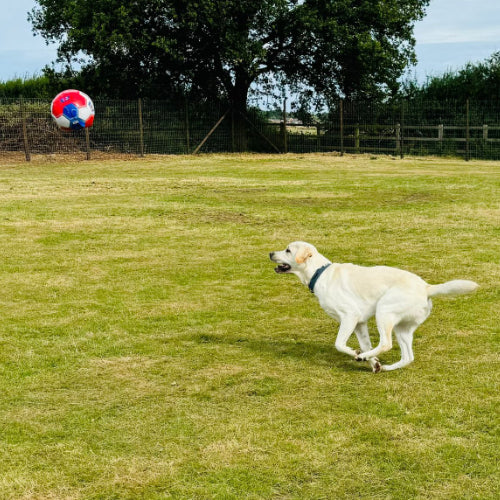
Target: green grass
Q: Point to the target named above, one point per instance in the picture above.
(149, 351)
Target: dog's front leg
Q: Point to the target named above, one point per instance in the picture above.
(365, 345)
(361, 332)
(347, 326)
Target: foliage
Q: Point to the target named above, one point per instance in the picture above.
(149, 351)
(355, 48)
(480, 82)
(34, 88)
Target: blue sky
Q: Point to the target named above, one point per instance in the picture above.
(453, 33)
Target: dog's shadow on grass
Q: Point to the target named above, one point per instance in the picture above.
(319, 353)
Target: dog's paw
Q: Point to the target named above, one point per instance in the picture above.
(376, 367)
(358, 357)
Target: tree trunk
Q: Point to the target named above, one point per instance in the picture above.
(239, 103)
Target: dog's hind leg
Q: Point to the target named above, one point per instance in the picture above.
(404, 336)
(385, 324)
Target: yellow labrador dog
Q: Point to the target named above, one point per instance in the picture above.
(399, 300)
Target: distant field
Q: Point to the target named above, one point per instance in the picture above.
(149, 351)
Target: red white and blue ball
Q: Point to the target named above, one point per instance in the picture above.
(72, 110)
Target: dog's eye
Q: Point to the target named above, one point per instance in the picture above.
(287, 250)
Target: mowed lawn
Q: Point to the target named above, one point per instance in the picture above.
(149, 351)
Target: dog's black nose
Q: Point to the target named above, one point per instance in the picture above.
(271, 255)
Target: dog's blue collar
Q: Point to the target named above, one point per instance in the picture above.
(316, 276)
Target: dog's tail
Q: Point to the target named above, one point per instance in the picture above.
(454, 287)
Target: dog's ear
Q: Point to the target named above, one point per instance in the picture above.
(303, 254)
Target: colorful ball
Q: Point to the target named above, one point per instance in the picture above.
(72, 110)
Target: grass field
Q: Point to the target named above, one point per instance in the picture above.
(149, 351)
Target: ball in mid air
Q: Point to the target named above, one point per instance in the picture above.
(72, 110)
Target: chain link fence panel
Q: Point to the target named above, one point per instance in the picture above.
(140, 127)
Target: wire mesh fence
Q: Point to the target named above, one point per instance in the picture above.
(139, 127)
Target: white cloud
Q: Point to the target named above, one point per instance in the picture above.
(459, 21)
(448, 34)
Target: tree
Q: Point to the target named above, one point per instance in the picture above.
(219, 48)
(479, 81)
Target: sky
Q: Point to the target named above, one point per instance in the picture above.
(453, 33)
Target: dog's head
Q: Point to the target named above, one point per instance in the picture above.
(298, 258)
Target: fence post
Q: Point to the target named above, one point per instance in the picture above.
(285, 138)
(186, 124)
(485, 132)
(401, 132)
(212, 130)
(141, 128)
(87, 142)
(356, 138)
(260, 133)
(341, 116)
(233, 135)
(27, 152)
(467, 131)
(398, 138)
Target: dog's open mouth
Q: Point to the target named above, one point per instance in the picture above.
(282, 268)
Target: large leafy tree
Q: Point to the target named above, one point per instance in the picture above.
(353, 48)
